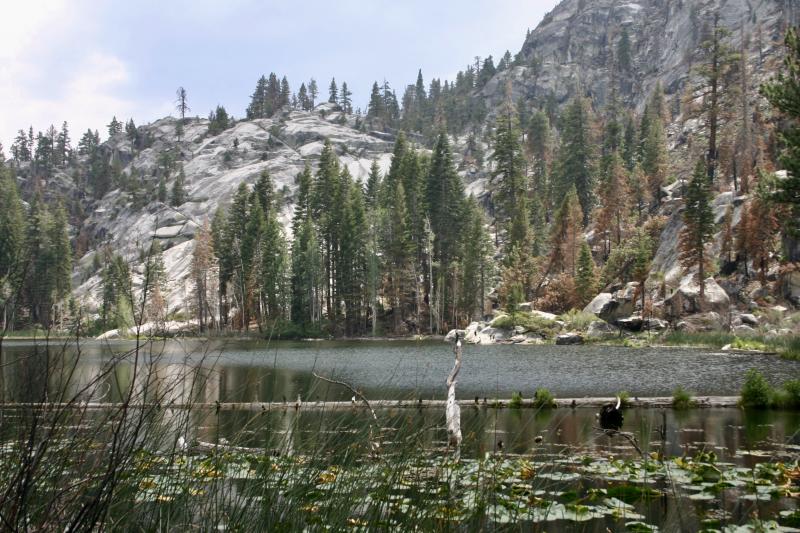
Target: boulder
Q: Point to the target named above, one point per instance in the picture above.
(686, 299)
(569, 339)
(632, 323)
(599, 329)
(790, 285)
(655, 324)
(710, 321)
(451, 335)
(743, 331)
(749, 319)
(471, 333)
(598, 303)
(543, 314)
(614, 306)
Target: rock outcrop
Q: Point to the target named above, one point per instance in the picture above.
(686, 300)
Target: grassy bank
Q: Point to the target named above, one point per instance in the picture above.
(787, 347)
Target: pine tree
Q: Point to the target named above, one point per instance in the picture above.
(372, 192)
(726, 237)
(257, 106)
(376, 110)
(182, 103)
(63, 148)
(720, 59)
(576, 163)
(446, 212)
(565, 234)
(202, 267)
(115, 127)
(585, 278)
(475, 260)
(302, 98)
(398, 257)
(333, 92)
(326, 200)
(654, 145)
(783, 92)
(509, 168)
(285, 95)
(614, 197)
(698, 225)
(539, 146)
(12, 246)
(178, 197)
(306, 261)
(345, 100)
(313, 91)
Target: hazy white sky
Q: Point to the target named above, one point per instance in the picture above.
(84, 61)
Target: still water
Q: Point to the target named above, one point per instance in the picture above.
(259, 371)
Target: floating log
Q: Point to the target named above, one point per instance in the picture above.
(651, 402)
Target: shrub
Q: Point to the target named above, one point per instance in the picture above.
(560, 295)
(789, 395)
(681, 399)
(533, 323)
(516, 400)
(543, 399)
(624, 398)
(756, 392)
(577, 320)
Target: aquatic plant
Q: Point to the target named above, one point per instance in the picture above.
(756, 391)
(543, 399)
(681, 399)
(516, 400)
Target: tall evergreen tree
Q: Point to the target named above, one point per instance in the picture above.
(509, 169)
(178, 197)
(698, 225)
(783, 92)
(346, 100)
(585, 278)
(333, 92)
(576, 162)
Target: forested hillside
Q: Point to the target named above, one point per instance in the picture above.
(638, 161)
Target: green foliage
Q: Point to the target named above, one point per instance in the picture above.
(783, 92)
(756, 391)
(178, 196)
(577, 320)
(698, 229)
(516, 400)
(681, 399)
(544, 399)
(575, 165)
(624, 398)
(532, 323)
(218, 121)
(789, 397)
(585, 279)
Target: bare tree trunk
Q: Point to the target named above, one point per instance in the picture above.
(452, 409)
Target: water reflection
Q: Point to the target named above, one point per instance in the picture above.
(194, 372)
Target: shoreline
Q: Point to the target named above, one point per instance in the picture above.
(653, 402)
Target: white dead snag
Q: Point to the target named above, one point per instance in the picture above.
(452, 410)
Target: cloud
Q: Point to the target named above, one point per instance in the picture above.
(53, 68)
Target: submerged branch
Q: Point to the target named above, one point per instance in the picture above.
(351, 389)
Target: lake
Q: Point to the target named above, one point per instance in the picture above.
(538, 468)
(259, 371)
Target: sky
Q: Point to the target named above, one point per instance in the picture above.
(85, 61)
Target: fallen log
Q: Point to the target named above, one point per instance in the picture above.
(593, 402)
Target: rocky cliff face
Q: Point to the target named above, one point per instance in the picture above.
(576, 47)
(214, 168)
